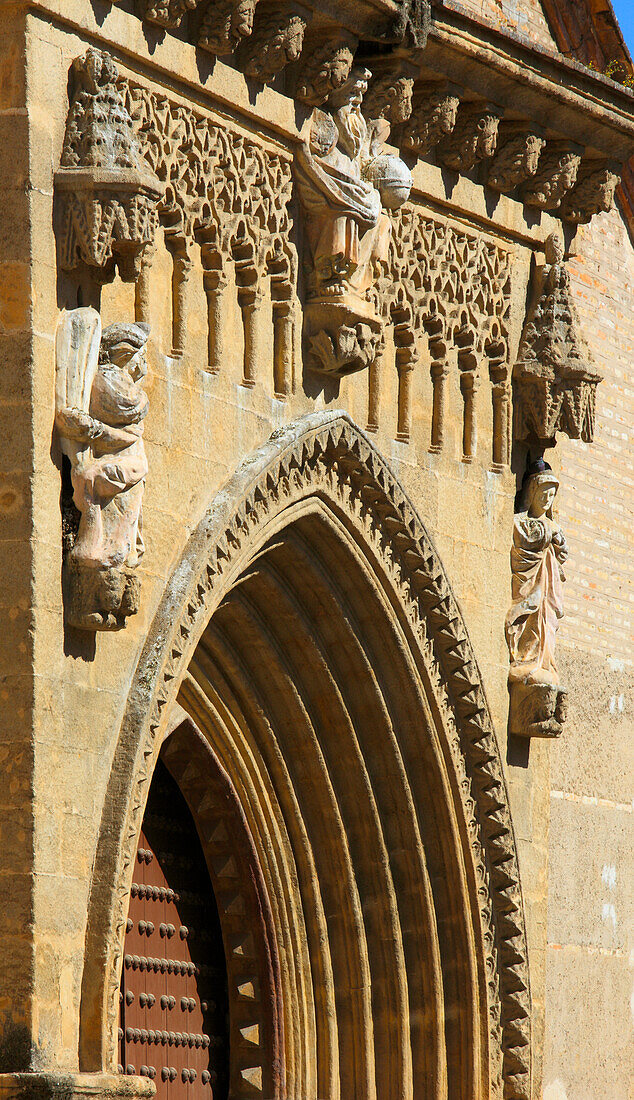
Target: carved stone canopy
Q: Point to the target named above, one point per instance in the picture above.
(107, 196)
(555, 379)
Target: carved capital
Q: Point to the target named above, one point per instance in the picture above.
(555, 379)
(433, 117)
(474, 137)
(225, 23)
(107, 196)
(592, 194)
(516, 158)
(277, 39)
(555, 177)
(325, 68)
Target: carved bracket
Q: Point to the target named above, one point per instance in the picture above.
(555, 379)
(107, 197)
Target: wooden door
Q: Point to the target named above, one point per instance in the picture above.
(173, 999)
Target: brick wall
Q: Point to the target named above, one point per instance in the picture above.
(597, 495)
(524, 17)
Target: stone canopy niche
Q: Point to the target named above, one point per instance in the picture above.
(555, 379)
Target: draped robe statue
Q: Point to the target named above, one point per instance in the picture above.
(538, 553)
(345, 181)
(100, 408)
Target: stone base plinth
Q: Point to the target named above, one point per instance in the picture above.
(74, 1086)
(536, 710)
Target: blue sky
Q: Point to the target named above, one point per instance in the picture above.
(625, 14)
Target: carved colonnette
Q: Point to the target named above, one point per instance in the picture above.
(231, 197)
(454, 288)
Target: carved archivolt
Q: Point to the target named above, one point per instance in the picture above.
(325, 458)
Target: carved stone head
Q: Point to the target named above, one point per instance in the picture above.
(540, 488)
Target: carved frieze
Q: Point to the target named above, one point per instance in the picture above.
(277, 39)
(537, 699)
(107, 197)
(556, 175)
(473, 138)
(346, 184)
(555, 379)
(516, 158)
(433, 117)
(592, 194)
(100, 406)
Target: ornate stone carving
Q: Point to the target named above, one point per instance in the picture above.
(592, 194)
(537, 701)
(277, 39)
(232, 197)
(516, 158)
(555, 176)
(225, 23)
(434, 114)
(554, 378)
(450, 287)
(107, 196)
(389, 96)
(168, 13)
(345, 181)
(474, 137)
(325, 68)
(326, 455)
(414, 23)
(100, 406)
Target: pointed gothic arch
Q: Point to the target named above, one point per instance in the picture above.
(311, 635)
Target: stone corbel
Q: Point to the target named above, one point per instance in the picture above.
(516, 158)
(433, 117)
(555, 177)
(593, 192)
(555, 379)
(106, 195)
(389, 93)
(474, 137)
(168, 13)
(225, 24)
(325, 67)
(276, 40)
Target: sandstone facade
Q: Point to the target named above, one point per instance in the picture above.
(372, 301)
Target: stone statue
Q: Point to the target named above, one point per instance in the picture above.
(539, 551)
(100, 409)
(346, 183)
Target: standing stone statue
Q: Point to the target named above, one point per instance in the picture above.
(539, 551)
(100, 409)
(346, 183)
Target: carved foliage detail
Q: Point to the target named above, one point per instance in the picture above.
(555, 377)
(221, 189)
(107, 196)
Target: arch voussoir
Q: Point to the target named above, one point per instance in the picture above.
(326, 456)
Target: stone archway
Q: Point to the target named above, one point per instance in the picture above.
(311, 634)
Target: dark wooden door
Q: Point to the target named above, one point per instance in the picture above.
(173, 1000)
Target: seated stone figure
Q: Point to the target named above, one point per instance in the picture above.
(100, 411)
(345, 180)
(538, 553)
